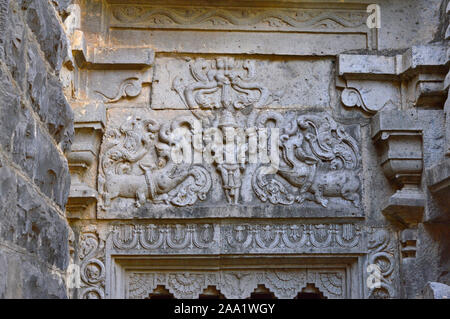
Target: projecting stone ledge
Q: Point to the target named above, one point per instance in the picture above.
(418, 59)
(106, 58)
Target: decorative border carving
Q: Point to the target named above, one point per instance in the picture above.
(285, 284)
(247, 18)
(151, 238)
(382, 254)
(92, 267)
(173, 237)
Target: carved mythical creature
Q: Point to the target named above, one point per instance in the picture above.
(136, 164)
(318, 158)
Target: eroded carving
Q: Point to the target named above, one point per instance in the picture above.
(318, 159)
(221, 84)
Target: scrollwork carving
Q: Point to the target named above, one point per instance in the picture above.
(92, 268)
(292, 236)
(381, 254)
(351, 97)
(224, 85)
(130, 87)
(237, 18)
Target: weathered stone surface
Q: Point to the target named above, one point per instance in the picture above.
(436, 290)
(23, 277)
(30, 222)
(36, 127)
(306, 83)
(34, 152)
(47, 98)
(41, 18)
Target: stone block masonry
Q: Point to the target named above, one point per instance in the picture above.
(36, 128)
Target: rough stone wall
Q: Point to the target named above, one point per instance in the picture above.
(36, 128)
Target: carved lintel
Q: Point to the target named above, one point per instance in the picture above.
(398, 136)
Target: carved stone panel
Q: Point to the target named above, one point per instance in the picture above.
(313, 161)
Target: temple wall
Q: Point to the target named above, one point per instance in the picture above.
(351, 108)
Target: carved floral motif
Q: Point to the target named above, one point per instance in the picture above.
(224, 85)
